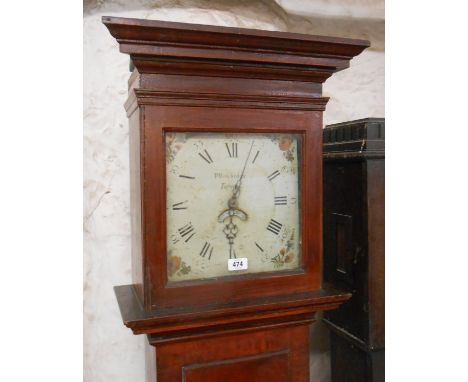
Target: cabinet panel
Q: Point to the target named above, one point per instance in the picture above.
(278, 354)
(354, 246)
(264, 367)
(345, 241)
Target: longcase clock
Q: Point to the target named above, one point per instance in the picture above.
(226, 197)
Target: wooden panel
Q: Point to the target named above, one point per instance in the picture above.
(150, 362)
(285, 350)
(264, 367)
(350, 363)
(376, 244)
(354, 184)
(342, 231)
(135, 202)
(345, 195)
(216, 85)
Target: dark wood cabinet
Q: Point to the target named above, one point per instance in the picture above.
(354, 245)
(195, 79)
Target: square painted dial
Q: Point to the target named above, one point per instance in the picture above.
(232, 196)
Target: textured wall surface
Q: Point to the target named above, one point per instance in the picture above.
(111, 352)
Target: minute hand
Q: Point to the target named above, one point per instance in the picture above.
(235, 194)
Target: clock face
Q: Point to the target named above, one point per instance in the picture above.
(232, 196)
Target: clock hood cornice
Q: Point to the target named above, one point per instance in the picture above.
(191, 49)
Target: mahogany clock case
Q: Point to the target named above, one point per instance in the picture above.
(194, 78)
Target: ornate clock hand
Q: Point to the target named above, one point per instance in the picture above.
(232, 203)
(231, 229)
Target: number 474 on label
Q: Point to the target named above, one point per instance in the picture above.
(238, 264)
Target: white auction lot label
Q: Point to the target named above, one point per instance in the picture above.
(238, 264)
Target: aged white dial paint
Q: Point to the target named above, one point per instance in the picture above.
(231, 195)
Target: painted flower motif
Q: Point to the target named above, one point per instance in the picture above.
(285, 143)
(173, 264)
(285, 254)
(184, 269)
(290, 157)
(170, 137)
(282, 257)
(288, 257)
(174, 142)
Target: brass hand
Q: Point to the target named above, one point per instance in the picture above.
(232, 202)
(230, 229)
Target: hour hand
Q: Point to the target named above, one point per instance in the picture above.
(231, 212)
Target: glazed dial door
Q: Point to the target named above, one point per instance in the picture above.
(232, 196)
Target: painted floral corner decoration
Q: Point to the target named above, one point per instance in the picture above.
(184, 269)
(285, 254)
(174, 142)
(285, 144)
(176, 265)
(173, 264)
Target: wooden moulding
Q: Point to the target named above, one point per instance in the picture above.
(363, 138)
(192, 49)
(152, 97)
(169, 324)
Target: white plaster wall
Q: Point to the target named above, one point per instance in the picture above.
(111, 352)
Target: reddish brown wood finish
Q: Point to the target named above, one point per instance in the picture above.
(170, 324)
(192, 49)
(214, 79)
(261, 367)
(275, 355)
(158, 120)
(246, 341)
(202, 78)
(135, 201)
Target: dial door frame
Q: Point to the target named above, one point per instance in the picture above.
(159, 119)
